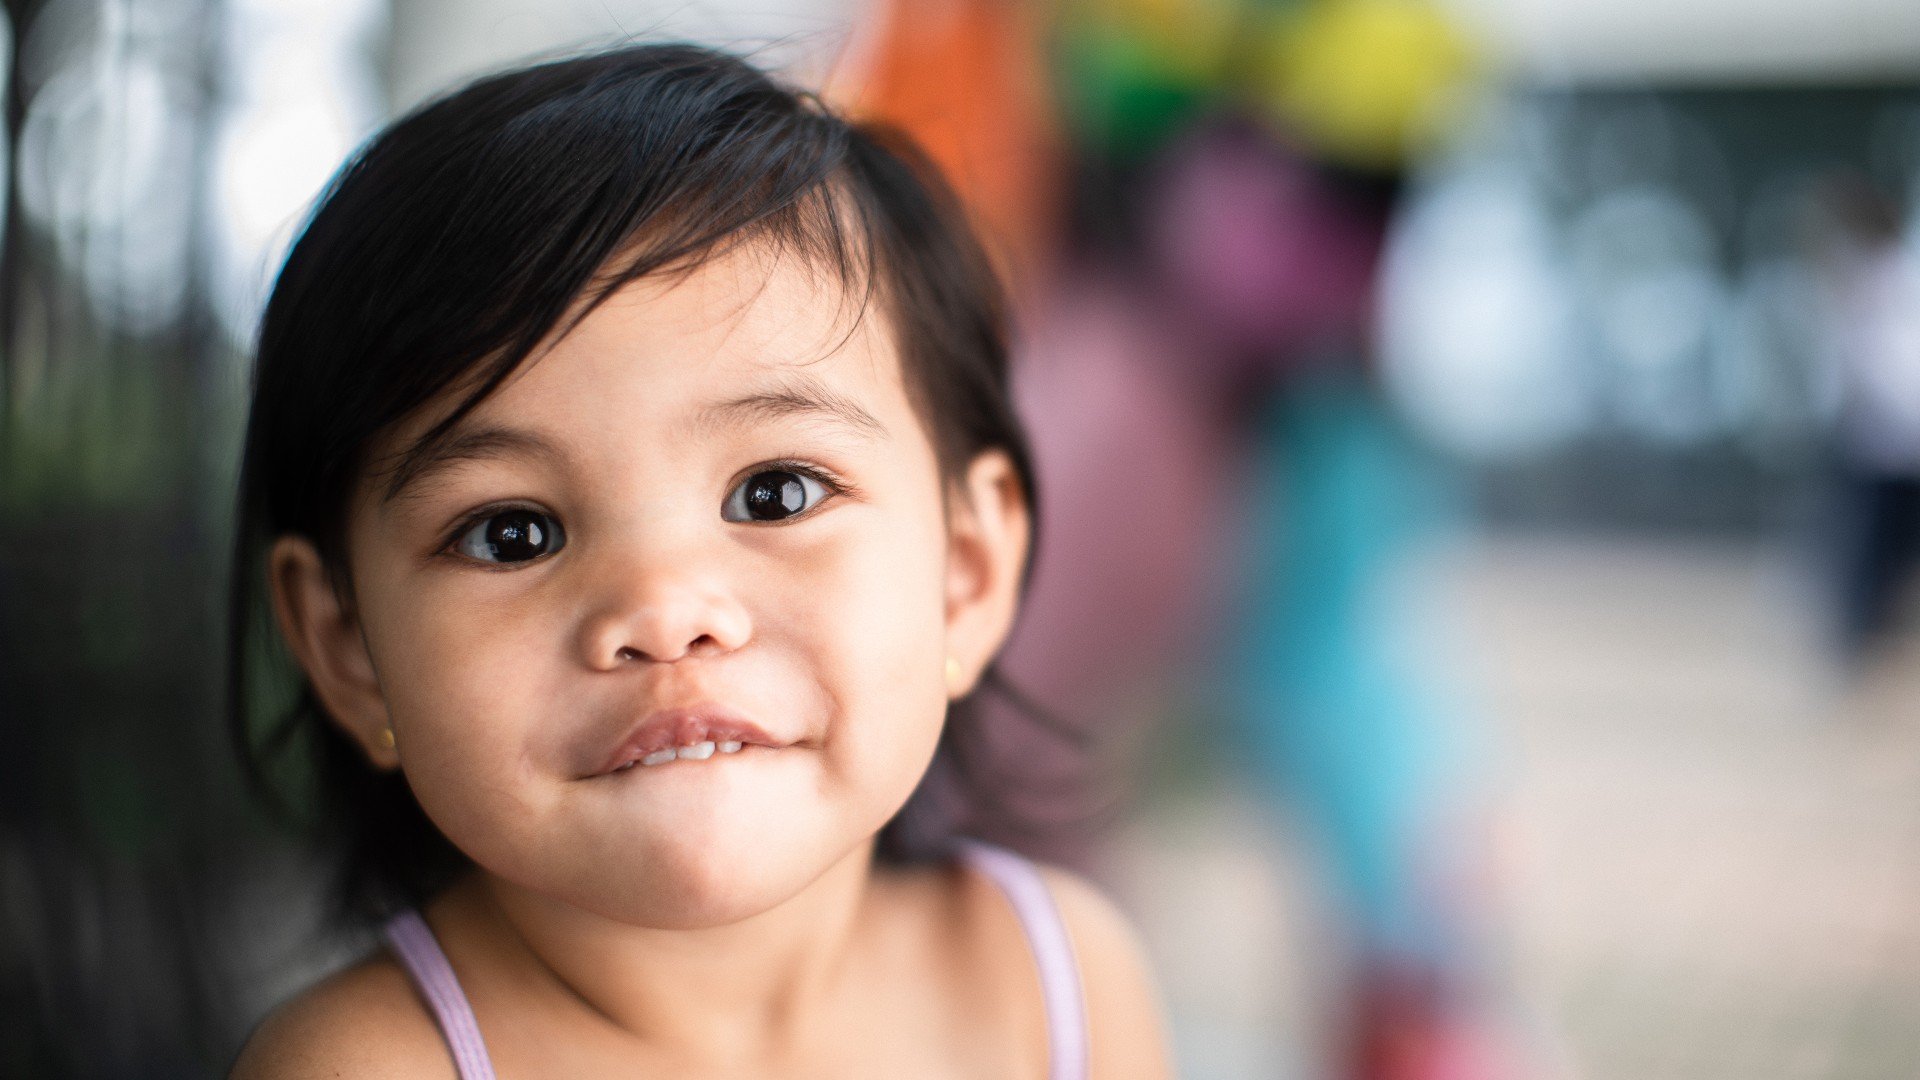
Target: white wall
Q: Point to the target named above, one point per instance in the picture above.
(437, 43)
(1708, 41)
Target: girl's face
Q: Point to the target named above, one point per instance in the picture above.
(711, 497)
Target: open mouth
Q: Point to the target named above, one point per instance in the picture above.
(690, 733)
(699, 751)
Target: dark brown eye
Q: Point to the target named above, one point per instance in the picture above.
(771, 495)
(511, 536)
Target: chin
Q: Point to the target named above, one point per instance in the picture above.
(688, 884)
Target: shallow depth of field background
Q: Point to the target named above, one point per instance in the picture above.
(1512, 673)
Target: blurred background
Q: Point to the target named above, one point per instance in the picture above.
(1482, 451)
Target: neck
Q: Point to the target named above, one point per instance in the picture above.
(751, 985)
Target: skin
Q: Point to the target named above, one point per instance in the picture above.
(701, 918)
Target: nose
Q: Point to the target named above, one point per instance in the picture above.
(665, 610)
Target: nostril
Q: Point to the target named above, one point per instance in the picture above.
(704, 644)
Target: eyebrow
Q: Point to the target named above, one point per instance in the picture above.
(797, 397)
(479, 444)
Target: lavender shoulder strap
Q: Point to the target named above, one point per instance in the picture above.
(1026, 890)
(413, 943)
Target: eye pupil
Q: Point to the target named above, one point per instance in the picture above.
(773, 495)
(515, 535)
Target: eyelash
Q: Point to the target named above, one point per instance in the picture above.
(835, 485)
(836, 488)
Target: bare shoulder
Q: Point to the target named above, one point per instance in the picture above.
(363, 1021)
(1124, 1011)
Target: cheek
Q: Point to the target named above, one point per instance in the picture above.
(460, 677)
(876, 633)
(446, 651)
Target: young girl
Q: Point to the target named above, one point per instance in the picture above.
(633, 478)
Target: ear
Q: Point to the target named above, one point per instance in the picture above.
(321, 630)
(989, 532)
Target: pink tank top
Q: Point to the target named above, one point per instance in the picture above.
(414, 945)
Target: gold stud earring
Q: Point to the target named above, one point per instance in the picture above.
(953, 674)
(386, 737)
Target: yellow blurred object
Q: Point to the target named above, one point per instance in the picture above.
(1366, 83)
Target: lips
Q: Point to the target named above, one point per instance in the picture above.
(667, 729)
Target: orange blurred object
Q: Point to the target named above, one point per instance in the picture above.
(965, 78)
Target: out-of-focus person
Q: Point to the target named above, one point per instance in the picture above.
(1872, 338)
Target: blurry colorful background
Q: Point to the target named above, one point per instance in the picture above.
(1481, 444)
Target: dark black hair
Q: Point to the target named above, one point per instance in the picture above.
(464, 234)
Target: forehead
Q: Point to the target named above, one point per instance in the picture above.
(749, 334)
(750, 317)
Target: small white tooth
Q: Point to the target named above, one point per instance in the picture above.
(624, 768)
(731, 746)
(698, 751)
(658, 757)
